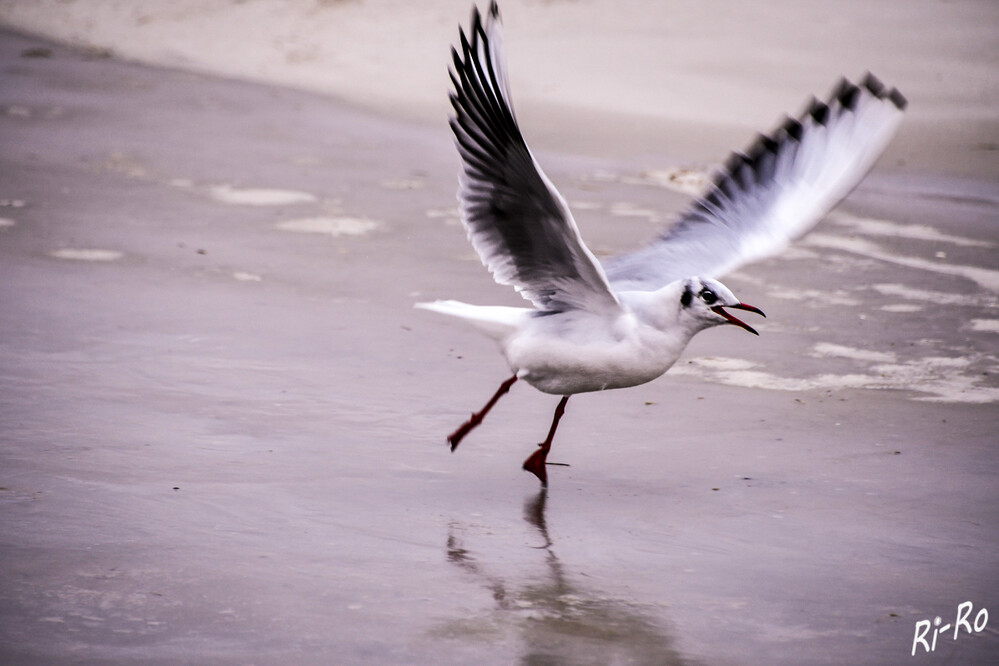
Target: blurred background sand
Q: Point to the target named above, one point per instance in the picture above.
(721, 69)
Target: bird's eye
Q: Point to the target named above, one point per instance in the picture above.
(708, 296)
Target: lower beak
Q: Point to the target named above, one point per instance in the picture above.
(733, 320)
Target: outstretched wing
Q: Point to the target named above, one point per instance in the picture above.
(779, 189)
(516, 220)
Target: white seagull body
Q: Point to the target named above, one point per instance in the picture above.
(577, 351)
(595, 327)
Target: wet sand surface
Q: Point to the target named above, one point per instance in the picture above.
(223, 423)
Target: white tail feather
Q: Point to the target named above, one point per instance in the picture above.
(496, 321)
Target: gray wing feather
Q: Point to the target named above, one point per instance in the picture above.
(776, 191)
(516, 220)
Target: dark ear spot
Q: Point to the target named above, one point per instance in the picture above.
(687, 297)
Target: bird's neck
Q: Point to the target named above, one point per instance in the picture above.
(660, 331)
(662, 310)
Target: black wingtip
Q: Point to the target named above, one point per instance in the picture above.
(734, 162)
(494, 10)
(466, 46)
(457, 63)
(792, 128)
(873, 85)
(898, 99)
(840, 88)
(848, 95)
(474, 30)
(761, 146)
(819, 111)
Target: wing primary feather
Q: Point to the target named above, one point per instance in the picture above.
(873, 85)
(819, 111)
(792, 128)
(466, 93)
(517, 222)
(775, 191)
(898, 99)
(490, 73)
(474, 90)
(501, 119)
(849, 96)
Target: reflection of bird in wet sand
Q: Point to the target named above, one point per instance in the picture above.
(558, 621)
(595, 327)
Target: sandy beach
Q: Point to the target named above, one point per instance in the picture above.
(222, 422)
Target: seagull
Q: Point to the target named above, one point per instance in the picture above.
(597, 326)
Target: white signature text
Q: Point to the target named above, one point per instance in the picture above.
(962, 620)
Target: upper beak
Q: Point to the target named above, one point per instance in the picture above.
(732, 320)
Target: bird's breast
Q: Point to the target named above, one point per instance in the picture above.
(564, 364)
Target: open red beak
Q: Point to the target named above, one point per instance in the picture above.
(732, 320)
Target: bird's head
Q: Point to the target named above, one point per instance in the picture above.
(704, 301)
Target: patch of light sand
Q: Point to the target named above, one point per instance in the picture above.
(402, 184)
(738, 372)
(6, 223)
(259, 196)
(939, 379)
(680, 179)
(901, 308)
(126, 165)
(985, 277)
(872, 227)
(816, 297)
(987, 325)
(86, 254)
(934, 297)
(450, 216)
(841, 351)
(629, 209)
(724, 363)
(332, 226)
(798, 253)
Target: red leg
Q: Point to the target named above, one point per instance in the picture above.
(454, 439)
(535, 463)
